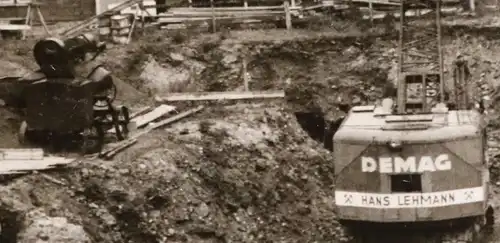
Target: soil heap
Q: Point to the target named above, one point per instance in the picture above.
(237, 172)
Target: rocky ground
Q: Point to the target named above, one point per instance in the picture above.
(236, 172)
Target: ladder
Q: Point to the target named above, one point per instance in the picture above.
(420, 64)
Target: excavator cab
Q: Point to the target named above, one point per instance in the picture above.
(381, 156)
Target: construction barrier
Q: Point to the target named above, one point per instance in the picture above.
(182, 15)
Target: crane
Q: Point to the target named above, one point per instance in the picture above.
(421, 83)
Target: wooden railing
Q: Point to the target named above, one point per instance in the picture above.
(181, 15)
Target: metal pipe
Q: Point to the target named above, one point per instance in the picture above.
(400, 82)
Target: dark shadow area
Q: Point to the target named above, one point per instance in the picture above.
(10, 226)
(315, 125)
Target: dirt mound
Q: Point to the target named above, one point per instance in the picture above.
(245, 178)
(242, 173)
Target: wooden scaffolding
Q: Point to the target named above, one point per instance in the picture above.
(22, 23)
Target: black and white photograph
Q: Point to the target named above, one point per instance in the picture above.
(249, 121)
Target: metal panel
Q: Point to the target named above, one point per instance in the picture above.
(59, 107)
(461, 175)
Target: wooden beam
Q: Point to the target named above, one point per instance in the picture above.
(288, 15)
(141, 112)
(20, 166)
(223, 96)
(143, 120)
(14, 27)
(217, 13)
(229, 9)
(170, 120)
(213, 16)
(112, 152)
(21, 154)
(156, 113)
(248, 18)
(42, 21)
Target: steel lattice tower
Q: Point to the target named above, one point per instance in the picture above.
(420, 47)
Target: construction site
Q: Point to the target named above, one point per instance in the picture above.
(231, 135)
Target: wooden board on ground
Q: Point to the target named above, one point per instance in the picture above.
(24, 166)
(110, 152)
(143, 120)
(21, 154)
(14, 27)
(158, 112)
(141, 112)
(231, 95)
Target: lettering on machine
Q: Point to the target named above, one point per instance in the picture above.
(410, 200)
(411, 164)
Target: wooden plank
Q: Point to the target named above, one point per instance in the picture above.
(141, 112)
(21, 154)
(135, 9)
(213, 16)
(223, 95)
(177, 20)
(173, 119)
(129, 142)
(18, 5)
(231, 9)
(246, 13)
(14, 27)
(158, 112)
(9, 166)
(6, 3)
(143, 120)
(111, 153)
(288, 16)
(8, 20)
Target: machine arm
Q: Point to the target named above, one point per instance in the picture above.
(420, 59)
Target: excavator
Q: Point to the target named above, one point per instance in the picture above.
(413, 168)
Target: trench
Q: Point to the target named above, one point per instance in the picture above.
(314, 123)
(319, 128)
